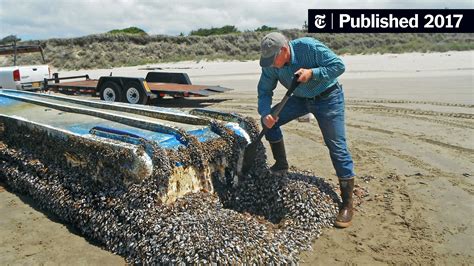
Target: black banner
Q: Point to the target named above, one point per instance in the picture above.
(390, 20)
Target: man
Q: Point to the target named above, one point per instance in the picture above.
(319, 93)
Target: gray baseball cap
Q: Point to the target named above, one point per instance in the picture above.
(270, 48)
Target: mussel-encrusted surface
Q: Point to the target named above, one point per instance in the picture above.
(261, 219)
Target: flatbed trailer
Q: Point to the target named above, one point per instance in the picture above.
(133, 90)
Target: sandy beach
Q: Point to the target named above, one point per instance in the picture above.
(410, 129)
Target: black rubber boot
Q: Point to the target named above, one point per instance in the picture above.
(279, 154)
(344, 218)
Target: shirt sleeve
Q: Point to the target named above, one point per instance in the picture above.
(266, 85)
(330, 66)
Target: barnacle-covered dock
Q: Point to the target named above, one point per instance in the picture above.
(158, 186)
(124, 144)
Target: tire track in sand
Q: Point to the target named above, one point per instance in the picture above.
(411, 137)
(408, 111)
(356, 101)
(414, 161)
(414, 114)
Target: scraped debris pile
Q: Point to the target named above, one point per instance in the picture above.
(262, 219)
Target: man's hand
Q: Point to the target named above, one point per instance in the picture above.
(305, 74)
(269, 121)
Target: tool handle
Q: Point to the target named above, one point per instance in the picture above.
(294, 85)
(280, 105)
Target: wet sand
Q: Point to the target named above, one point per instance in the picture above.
(410, 130)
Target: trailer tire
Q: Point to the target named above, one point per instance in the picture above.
(134, 93)
(110, 92)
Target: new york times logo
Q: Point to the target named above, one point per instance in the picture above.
(319, 21)
(390, 20)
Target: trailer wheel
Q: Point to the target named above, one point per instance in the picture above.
(135, 94)
(110, 92)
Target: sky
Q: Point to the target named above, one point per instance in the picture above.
(44, 19)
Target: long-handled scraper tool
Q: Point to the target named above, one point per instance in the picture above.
(251, 150)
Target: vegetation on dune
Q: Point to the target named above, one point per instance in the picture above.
(9, 39)
(130, 30)
(114, 50)
(215, 31)
(265, 28)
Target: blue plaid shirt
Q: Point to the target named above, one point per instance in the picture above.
(305, 53)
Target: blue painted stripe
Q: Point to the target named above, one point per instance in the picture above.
(4, 101)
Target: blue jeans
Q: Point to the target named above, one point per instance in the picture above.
(329, 112)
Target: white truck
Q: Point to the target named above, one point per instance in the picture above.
(22, 77)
